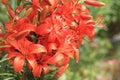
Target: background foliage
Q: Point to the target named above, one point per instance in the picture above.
(99, 59)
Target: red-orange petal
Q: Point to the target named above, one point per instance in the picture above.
(5, 2)
(11, 12)
(43, 29)
(19, 9)
(37, 48)
(45, 69)
(36, 3)
(61, 70)
(32, 61)
(52, 46)
(18, 63)
(94, 3)
(37, 71)
(76, 53)
(12, 54)
(56, 58)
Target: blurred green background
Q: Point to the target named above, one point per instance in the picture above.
(99, 59)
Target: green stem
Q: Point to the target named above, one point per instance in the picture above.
(42, 77)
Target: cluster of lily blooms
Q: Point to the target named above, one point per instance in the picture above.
(47, 34)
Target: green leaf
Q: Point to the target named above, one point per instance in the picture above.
(5, 74)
